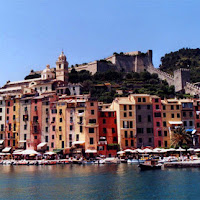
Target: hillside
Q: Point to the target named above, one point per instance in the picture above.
(105, 86)
(183, 58)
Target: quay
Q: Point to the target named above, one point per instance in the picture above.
(182, 164)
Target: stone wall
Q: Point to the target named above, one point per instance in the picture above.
(192, 89)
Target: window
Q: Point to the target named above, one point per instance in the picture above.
(24, 136)
(139, 118)
(159, 133)
(46, 139)
(91, 130)
(131, 134)
(60, 119)
(191, 123)
(104, 121)
(81, 129)
(92, 104)
(8, 103)
(7, 110)
(60, 111)
(178, 115)
(144, 99)
(71, 127)
(125, 108)
(53, 128)
(159, 143)
(60, 137)
(165, 143)
(164, 114)
(191, 114)
(46, 129)
(139, 130)
(92, 112)
(177, 107)
(59, 66)
(150, 140)
(172, 107)
(198, 125)
(8, 135)
(8, 142)
(47, 120)
(125, 115)
(52, 145)
(172, 115)
(14, 117)
(60, 128)
(2, 127)
(52, 137)
(10, 126)
(165, 133)
(157, 114)
(125, 134)
(77, 137)
(126, 143)
(158, 124)
(113, 130)
(184, 114)
(46, 88)
(164, 107)
(35, 108)
(164, 124)
(35, 137)
(130, 107)
(91, 140)
(131, 124)
(0, 110)
(149, 118)
(130, 114)
(156, 100)
(104, 130)
(139, 100)
(157, 107)
(185, 123)
(139, 107)
(140, 140)
(148, 107)
(63, 144)
(14, 108)
(25, 127)
(0, 118)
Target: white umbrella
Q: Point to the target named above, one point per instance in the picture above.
(128, 150)
(139, 150)
(180, 149)
(197, 150)
(171, 149)
(120, 152)
(50, 153)
(17, 152)
(147, 150)
(159, 150)
(29, 152)
(190, 149)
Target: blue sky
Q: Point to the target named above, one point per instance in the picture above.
(33, 33)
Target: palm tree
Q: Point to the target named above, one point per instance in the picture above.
(181, 138)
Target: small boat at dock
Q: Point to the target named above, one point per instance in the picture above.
(150, 164)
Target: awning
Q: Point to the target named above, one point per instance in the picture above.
(175, 122)
(78, 142)
(57, 150)
(17, 152)
(22, 141)
(41, 145)
(7, 150)
(191, 130)
(90, 151)
(1, 142)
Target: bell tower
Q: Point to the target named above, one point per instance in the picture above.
(62, 68)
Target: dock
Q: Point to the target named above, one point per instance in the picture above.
(182, 164)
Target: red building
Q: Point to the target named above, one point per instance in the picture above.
(36, 122)
(157, 122)
(108, 143)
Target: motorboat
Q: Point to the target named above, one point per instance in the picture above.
(150, 164)
(135, 161)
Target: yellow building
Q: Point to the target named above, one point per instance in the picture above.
(126, 121)
(171, 111)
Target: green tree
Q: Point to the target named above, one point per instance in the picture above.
(181, 138)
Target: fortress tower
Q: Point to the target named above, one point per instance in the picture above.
(62, 68)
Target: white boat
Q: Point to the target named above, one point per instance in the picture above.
(135, 161)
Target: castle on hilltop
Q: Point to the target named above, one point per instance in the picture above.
(137, 61)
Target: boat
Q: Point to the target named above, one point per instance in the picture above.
(150, 164)
(135, 161)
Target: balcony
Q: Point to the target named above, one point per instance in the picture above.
(80, 123)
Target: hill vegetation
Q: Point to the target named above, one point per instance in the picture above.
(106, 86)
(183, 58)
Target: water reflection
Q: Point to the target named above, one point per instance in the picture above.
(97, 182)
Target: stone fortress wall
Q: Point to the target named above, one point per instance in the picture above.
(138, 62)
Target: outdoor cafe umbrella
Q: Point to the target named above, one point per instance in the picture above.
(147, 150)
(139, 150)
(190, 149)
(197, 150)
(180, 149)
(120, 152)
(128, 151)
(159, 150)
